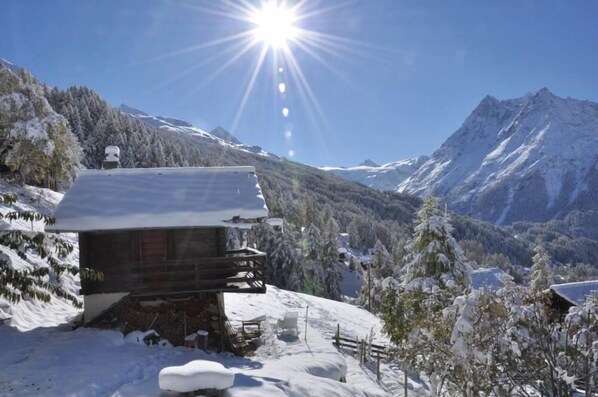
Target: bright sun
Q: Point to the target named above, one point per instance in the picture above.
(275, 25)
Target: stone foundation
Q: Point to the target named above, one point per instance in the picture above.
(173, 319)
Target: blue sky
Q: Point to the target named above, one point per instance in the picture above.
(391, 79)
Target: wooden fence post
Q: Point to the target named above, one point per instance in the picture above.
(306, 312)
(378, 366)
(338, 335)
(362, 351)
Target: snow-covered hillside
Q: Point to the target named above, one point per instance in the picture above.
(219, 135)
(533, 158)
(52, 359)
(381, 177)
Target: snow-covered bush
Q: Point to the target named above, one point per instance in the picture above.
(34, 281)
(510, 342)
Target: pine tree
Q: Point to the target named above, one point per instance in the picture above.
(34, 141)
(541, 278)
(434, 259)
(435, 272)
(329, 259)
(380, 268)
(312, 242)
(285, 267)
(311, 247)
(354, 238)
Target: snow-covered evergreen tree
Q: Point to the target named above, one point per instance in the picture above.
(541, 277)
(435, 272)
(434, 258)
(311, 247)
(312, 242)
(381, 267)
(283, 262)
(35, 141)
(285, 268)
(329, 260)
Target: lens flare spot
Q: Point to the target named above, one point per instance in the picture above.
(285, 112)
(282, 88)
(280, 70)
(288, 134)
(291, 153)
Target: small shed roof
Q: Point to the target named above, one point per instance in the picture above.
(150, 198)
(575, 293)
(489, 278)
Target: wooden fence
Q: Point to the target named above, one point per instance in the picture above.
(363, 350)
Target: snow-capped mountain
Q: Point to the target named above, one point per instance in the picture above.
(381, 177)
(218, 135)
(533, 158)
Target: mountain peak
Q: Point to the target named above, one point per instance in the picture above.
(127, 109)
(224, 134)
(544, 93)
(486, 105)
(488, 100)
(369, 163)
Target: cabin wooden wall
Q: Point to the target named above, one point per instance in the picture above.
(113, 252)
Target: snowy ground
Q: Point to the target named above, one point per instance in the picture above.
(43, 356)
(86, 362)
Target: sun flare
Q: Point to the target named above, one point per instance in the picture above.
(274, 25)
(276, 31)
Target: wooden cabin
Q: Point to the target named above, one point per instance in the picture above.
(160, 232)
(564, 296)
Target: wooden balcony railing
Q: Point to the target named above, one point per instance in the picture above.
(239, 271)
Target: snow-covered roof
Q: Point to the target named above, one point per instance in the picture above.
(576, 293)
(492, 278)
(144, 198)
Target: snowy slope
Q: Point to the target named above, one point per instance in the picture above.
(59, 361)
(533, 158)
(219, 135)
(381, 177)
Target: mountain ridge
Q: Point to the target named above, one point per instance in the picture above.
(380, 177)
(219, 135)
(532, 158)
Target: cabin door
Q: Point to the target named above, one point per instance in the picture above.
(153, 246)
